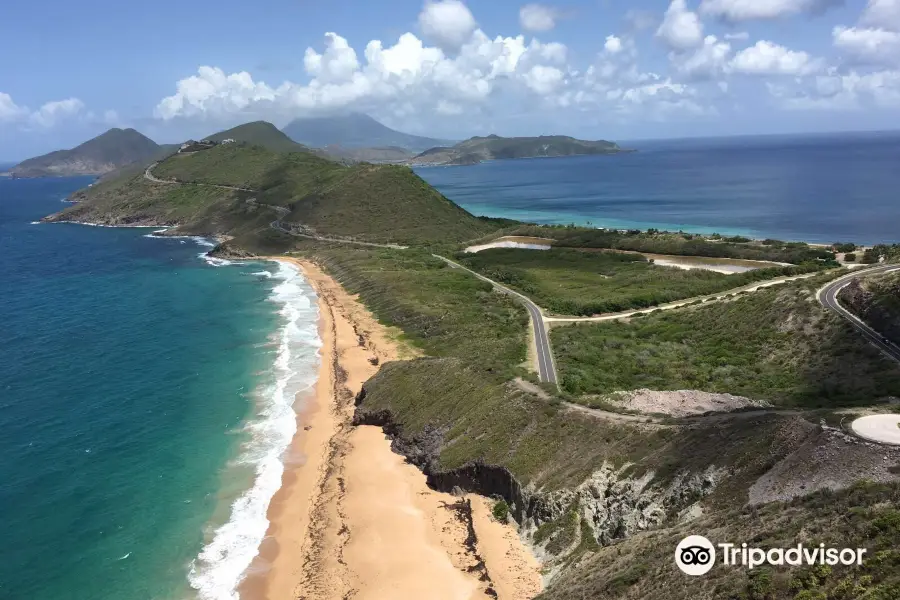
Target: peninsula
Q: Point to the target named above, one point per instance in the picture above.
(492, 147)
(603, 392)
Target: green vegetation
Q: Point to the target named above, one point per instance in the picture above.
(861, 517)
(500, 511)
(850, 257)
(777, 344)
(367, 202)
(102, 154)
(876, 300)
(443, 311)
(260, 133)
(493, 147)
(684, 244)
(885, 252)
(844, 246)
(572, 282)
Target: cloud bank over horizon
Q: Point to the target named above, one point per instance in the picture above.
(450, 74)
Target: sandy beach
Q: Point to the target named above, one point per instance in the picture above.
(352, 518)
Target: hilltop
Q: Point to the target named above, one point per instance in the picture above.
(478, 149)
(239, 190)
(105, 153)
(354, 130)
(260, 133)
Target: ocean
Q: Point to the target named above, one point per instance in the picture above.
(814, 188)
(145, 403)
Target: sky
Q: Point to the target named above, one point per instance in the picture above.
(610, 69)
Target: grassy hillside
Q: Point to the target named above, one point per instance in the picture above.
(572, 282)
(102, 154)
(778, 345)
(260, 133)
(367, 202)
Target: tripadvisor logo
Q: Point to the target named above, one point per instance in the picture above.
(696, 555)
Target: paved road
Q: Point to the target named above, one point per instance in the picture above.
(828, 296)
(324, 238)
(148, 174)
(546, 366)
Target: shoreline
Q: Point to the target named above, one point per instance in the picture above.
(353, 516)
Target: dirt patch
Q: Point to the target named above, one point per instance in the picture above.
(681, 403)
(830, 460)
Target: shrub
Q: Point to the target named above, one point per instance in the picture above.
(501, 511)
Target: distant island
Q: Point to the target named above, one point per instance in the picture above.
(492, 147)
(355, 138)
(105, 153)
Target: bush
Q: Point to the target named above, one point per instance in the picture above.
(850, 257)
(844, 246)
(501, 511)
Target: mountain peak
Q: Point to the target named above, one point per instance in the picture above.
(108, 151)
(355, 130)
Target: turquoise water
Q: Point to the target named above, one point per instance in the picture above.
(823, 188)
(145, 402)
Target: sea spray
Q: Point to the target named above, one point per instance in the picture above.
(220, 566)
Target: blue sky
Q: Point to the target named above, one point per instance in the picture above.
(591, 68)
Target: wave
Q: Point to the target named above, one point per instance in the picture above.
(219, 568)
(266, 274)
(105, 225)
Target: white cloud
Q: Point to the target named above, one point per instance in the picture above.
(613, 44)
(448, 22)
(735, 11)
(543, 79)
(881, 14)
(337, 63)
(738, 35)
(537, 17)
(48, 115)
(870, 46)
(707, 62)
(410, 72)
(212, 91)
(836, 91)
(767, 58)
(681, 28)
(9, 110)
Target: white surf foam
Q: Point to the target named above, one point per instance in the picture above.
(220, 567)
(266, 274)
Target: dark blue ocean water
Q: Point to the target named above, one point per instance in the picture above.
(128, 371)
(813, 188)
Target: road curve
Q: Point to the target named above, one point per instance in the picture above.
(546, 366)
(828, 296)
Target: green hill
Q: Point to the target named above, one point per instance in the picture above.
(102, 154)
(494, 147)
(305, 192)
(260, 133)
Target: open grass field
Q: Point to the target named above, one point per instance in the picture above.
(566, 281)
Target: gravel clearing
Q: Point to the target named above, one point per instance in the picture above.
(682, 403)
